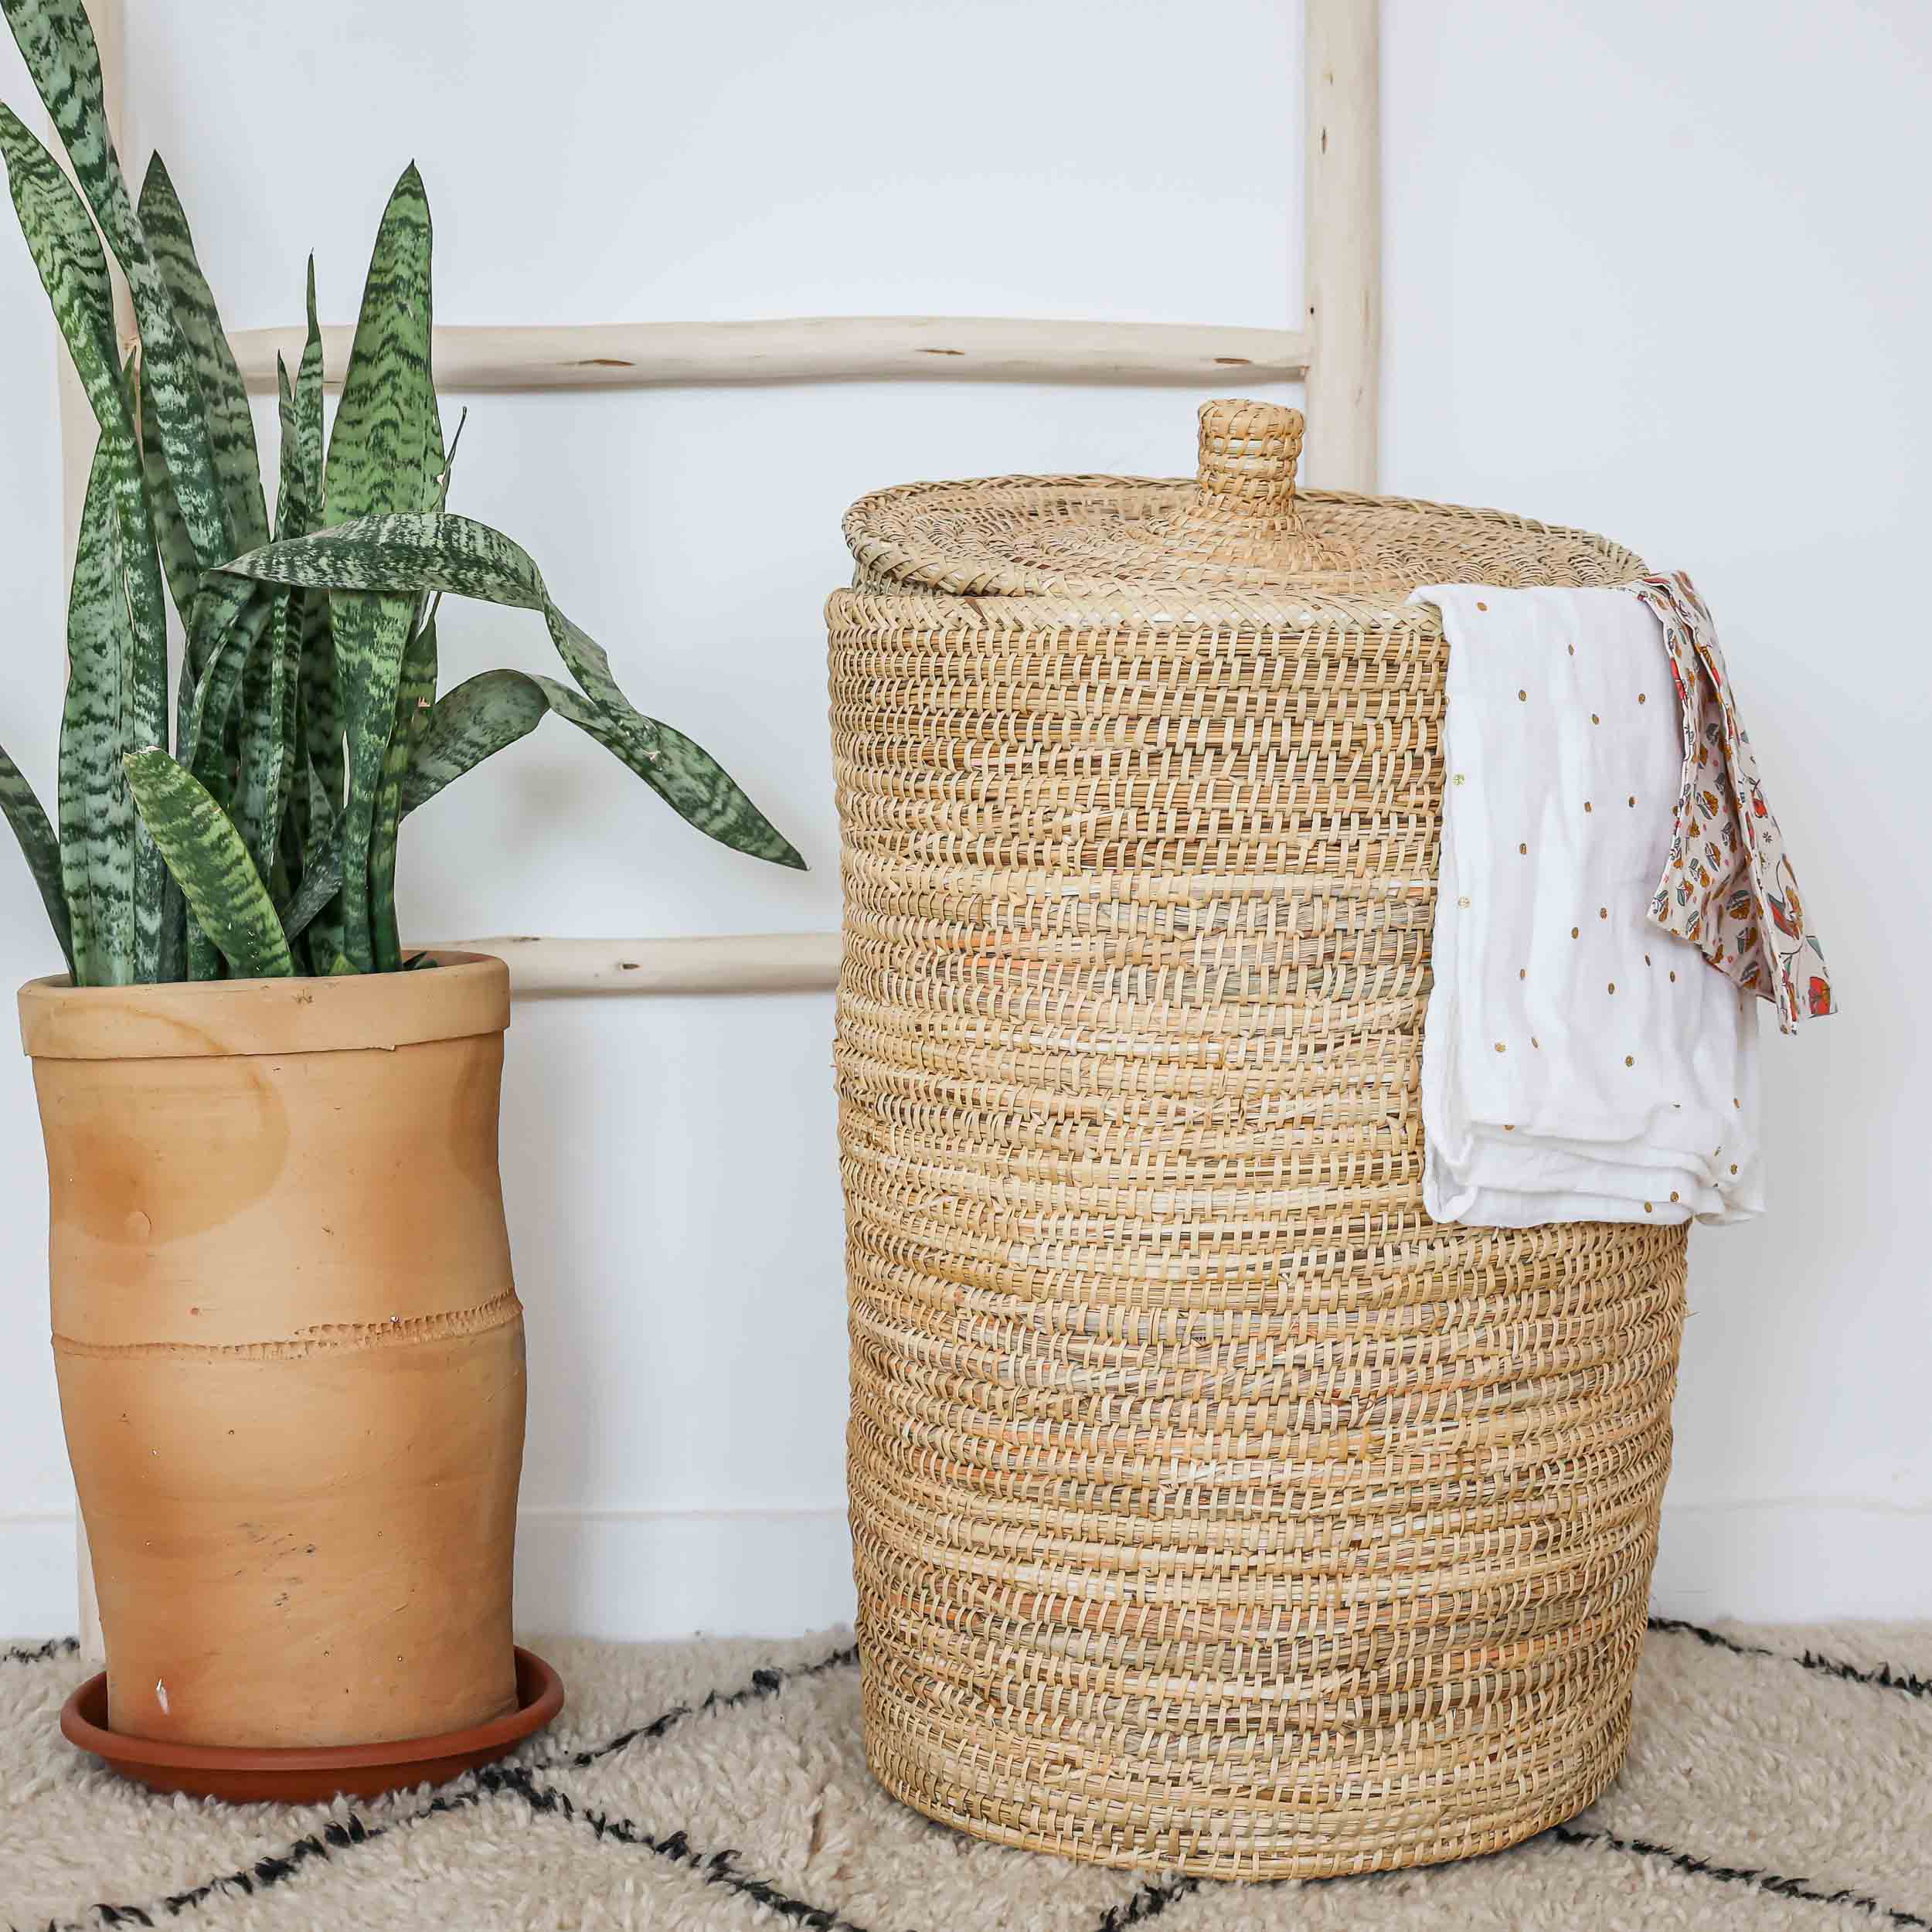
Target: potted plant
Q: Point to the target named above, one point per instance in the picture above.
(289, 1350)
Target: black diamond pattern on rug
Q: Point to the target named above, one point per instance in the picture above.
(653, 1818)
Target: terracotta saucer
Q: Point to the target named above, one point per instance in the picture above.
(243, 1776)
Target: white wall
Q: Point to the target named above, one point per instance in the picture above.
(670, 1164)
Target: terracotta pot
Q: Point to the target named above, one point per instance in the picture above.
(290, 1351)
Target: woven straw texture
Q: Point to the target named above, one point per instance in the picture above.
(1214, 1509)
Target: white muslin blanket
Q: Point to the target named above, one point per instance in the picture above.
(1579, 1063)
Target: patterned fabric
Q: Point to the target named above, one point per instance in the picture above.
(1577, 1064)
(1728, 887)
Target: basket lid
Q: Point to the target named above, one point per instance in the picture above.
(1240, 527)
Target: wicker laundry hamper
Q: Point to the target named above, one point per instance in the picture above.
(1213, 1508)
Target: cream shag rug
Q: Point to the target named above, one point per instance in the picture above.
(1778, 1778)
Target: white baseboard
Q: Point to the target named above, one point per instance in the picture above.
(743, 1573)
(738, 1573)
(1795, 1560)
(38, 1594)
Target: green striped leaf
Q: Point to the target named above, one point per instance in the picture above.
(686, 776)
(308, 420)
(385, 453)
(369, 634)
(96, 812)
(218, 608)
(298, 500)
(287, 605)
(223, 623)
(41, 849)
(321, 883)
(322, 809)
(292, 860)
(415, 695)
(205, 960)
(270, 747)
(177, 560)
(428, 603)
(321, 727)
(324, 936)
(58, 45)
(270, 682)
(300, 503)
(449, 460)
(222, 634)
(66, 253)
(160, 915)
(321, 719)
(231, 424)
(456, 554)
(584, 658)
(288, 482)
(206, 853)
(174, 922)
(496, 708)
(477, 718)
(209, 698)
(405, 555)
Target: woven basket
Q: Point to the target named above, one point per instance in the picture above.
(1213, 1508)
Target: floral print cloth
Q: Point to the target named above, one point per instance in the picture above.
(1728, 886)
(1577, 1064)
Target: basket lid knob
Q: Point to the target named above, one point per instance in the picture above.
(1249, 452)
(1244, 512)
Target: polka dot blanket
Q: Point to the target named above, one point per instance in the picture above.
(1582, 1059)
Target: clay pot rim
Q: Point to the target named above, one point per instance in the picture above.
(468, 993)
(539, 1698)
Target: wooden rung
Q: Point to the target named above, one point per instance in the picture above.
(728, 963)
(821, 348)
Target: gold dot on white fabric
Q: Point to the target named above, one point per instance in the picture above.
(1458, 777)
(1613, 986)
(1602, 912)
(1574, 931)
(1594, 719)
(1499, 1047)
(1673, 1194)
(1464, 901)
(1673, 975)
(1633, 799)
(1640, 698)
(1480, 605)
(1646, 1207)
(1630, 1060)
(1734, 1167)
(1522, 697)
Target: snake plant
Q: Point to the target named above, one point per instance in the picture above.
(306, 723)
